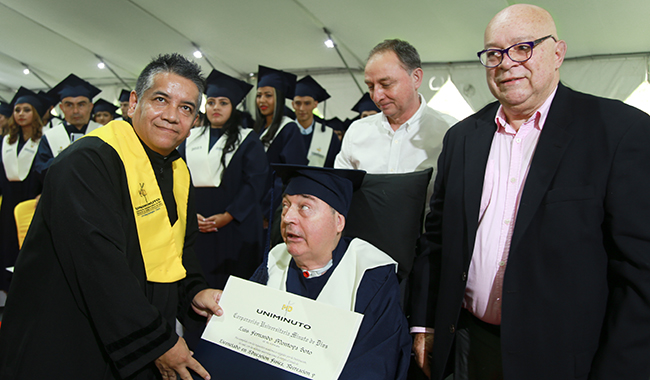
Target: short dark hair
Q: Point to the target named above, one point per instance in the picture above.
(171, 63)
(405, 52)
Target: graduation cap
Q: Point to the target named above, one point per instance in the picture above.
(348, 122)
(332, 186)
(102, 105)
(50, 101)
(307, 86)
(280, 80)
(219, 84)
(73, 86)
(335, 123)
(25, 95)
(6, 109)
(288, 112)
(365, 104)
(125, 95)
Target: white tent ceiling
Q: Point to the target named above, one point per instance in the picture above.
(57, 37)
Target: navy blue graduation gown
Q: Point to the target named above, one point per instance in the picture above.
(13, 192)
(287, 147)
(382, 347)
(334, 149)
(237, 247)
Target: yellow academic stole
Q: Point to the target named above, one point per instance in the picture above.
(161, 243)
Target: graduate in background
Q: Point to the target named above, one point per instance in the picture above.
(49, 102)
(229, 172)
(103, 112)
(124, 106)
(365, 106)
(323, 144)
(76, 97)
(5, 114)
(279, 134)
(17, 179)
(338, 126)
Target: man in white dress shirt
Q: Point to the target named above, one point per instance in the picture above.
(406, 135)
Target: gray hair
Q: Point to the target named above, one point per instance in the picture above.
(406, 53)
(171, 63)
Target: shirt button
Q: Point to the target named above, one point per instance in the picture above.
(513, 180)
(502, 263)
(518, 140)
(506, 222)
(464, 276)
(452, 329)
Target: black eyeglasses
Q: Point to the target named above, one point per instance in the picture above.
(520, 52)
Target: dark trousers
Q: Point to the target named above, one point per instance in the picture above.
(478, 349)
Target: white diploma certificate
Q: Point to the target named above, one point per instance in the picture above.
(294, 333)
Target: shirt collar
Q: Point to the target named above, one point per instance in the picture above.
(539, 117)
(414, 120)
(306, 131)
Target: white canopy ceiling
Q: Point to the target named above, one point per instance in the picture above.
(56, 38)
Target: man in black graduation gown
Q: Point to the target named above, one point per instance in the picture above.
(320, 140)
(76, 104)
(108, 266)
(124, 106)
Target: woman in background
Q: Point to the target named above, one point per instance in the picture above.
(279, 134)
(17, 179)
(229, 171)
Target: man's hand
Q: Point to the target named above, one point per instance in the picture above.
(422, 347)
(177, 360)
(206, 302)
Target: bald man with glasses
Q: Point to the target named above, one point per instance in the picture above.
(539, 236)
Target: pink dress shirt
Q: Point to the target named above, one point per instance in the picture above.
(505, 175)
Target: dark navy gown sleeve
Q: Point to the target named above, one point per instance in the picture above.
(254, 174)
(43, 159)
(335, 148)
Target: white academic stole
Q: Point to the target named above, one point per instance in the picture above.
(341, 288)
(285, 121)
(320, 144)
(59, 139)
(204, 163)
(16, 164)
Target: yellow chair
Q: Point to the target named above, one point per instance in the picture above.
(24, 212)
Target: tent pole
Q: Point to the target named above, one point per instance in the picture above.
(343, 59)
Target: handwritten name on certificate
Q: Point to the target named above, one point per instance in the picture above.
(294, 333)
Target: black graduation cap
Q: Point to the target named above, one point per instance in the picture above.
(102, 105)
(308, 86)
(332, 186)
(50, 101)
(6, 109)
(365, 104)
(25, 95)
(219, 84)
(125, 95)
(335, 123)
(348, 122)
(288, 112)
(280, 80)
(73, 86)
